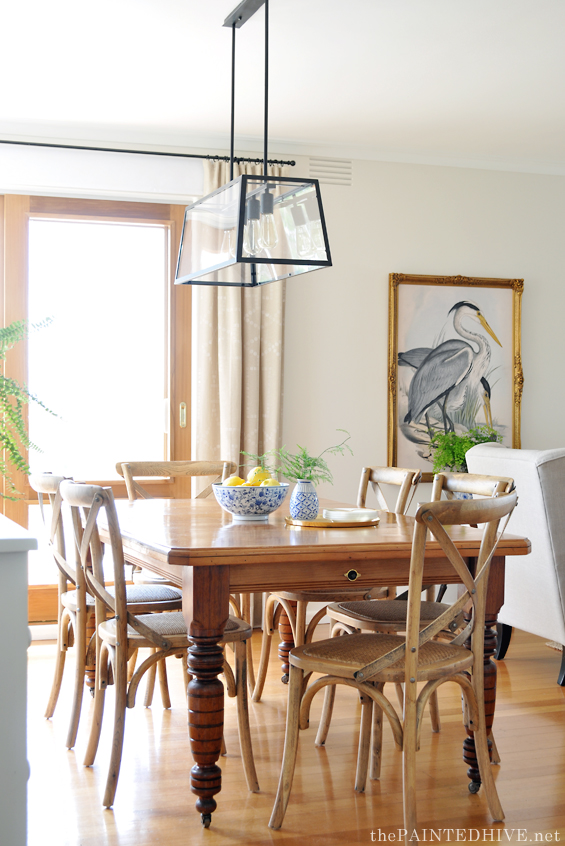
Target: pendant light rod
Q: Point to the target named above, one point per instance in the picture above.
(266, 113)
(232, 125)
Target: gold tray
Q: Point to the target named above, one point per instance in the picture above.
(331, 524)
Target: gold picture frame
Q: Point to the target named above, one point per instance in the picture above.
(423, 311)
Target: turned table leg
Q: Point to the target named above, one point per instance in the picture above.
(205, 607)
(287, 641)
(495, 599)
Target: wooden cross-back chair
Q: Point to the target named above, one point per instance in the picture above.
(130, 470)
(121, 632)
(295, 603)
(76, 605)
(143, 469)
(366, 661)
(72, 607)
(389, 616)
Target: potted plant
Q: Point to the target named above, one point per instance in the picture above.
(306, 470)
(14, 439)
(449, 448)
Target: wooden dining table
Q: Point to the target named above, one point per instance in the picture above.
(200, 547)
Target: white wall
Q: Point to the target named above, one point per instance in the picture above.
(425, 220)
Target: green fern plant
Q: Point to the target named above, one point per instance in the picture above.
(14, 439)
(450, 449)
(301, 465)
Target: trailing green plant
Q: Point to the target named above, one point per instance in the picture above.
(450, 449)
(14, 438)
(301, 465)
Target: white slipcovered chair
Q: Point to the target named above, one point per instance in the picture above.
(535, 584)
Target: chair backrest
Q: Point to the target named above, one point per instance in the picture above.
(404, 479)
(47, 487)
(469, 483)
(87, 503)
(433, 517)
(535, 585)
(130, 469)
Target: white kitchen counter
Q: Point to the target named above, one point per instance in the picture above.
(15, 543)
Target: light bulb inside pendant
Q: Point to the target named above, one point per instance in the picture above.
(269, 235)
(252, 234)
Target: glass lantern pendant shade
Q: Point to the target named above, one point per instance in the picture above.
(254, 230)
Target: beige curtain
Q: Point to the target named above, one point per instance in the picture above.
(237, 357)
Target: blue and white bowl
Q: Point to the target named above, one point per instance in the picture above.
(253, 504)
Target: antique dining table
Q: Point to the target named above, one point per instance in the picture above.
(197, 545)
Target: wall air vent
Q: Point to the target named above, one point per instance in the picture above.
(331, 171)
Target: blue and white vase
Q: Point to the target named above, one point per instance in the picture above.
(304, 501)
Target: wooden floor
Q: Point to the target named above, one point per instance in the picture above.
(154, 804)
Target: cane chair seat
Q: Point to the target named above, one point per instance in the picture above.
(173, 627)
(345, 656)
(346, 594)
(387, 615)
(139, 597)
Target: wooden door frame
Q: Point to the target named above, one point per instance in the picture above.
(15, 211)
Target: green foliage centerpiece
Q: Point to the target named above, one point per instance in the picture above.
(306, 470)
(449, 448)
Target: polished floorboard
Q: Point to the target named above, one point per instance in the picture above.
(154, 804)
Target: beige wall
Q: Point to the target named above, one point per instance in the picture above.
(429, 220)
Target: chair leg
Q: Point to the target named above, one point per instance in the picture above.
(364, 743)
(58, 674)
(376, 741)
(409, 747)
(434, 712)
(243, 716)
(99, 697)
(561, 676)
(503, 635)
(163, 683)
(131, 664)
(120, 685)
(400, 696)
(246, 614)
(268, 629)
(326, 717)
(296, 676)
(494, 753)
(150, 684)
(80, 665)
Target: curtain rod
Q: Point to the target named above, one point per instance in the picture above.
(237, 159)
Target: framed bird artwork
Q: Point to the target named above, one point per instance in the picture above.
(454, 361)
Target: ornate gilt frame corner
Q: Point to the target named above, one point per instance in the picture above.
(395, 279)
(518, 290)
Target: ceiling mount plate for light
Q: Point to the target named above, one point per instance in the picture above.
(242, 13)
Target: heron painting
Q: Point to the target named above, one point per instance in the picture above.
(453, 346)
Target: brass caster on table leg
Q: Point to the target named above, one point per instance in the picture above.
(206, 820)
(474, 786)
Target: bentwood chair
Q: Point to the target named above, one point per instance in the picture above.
(121, 631)
(295, 603)
(75, 607)
(367, 661)
(167, 469)
(219, 470)
(389, 616)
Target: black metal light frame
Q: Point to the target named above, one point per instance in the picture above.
(235, 20)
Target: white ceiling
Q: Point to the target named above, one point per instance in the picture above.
(463, 82)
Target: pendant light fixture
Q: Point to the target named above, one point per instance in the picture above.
(255, 229)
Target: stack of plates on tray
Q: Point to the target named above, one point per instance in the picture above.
(350, 515)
